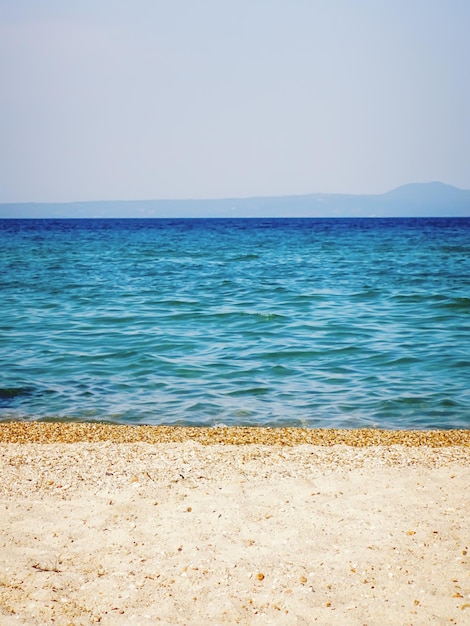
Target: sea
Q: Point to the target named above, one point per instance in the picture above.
(316, 323)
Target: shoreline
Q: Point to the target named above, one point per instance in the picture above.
(73, 432)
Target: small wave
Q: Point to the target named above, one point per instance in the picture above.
(367, 294)
(286, 355)
(250, 391)
(9, 394)
(245, 257)
(457, 304)
(271, 316)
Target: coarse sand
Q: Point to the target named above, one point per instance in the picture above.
(143, 525)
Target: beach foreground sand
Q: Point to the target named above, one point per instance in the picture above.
(111, 525)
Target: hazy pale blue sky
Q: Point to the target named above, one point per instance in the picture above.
(111, 99)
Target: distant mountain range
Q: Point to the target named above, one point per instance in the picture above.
(413, 200)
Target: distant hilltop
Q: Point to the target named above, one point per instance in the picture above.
(414, 200)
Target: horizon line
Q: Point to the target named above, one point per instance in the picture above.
(234, 198)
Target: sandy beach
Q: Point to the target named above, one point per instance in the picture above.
(141, 525)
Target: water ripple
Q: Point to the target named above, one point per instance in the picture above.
(315, 323)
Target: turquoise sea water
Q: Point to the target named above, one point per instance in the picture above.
(304, 322)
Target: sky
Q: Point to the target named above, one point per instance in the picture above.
(132, 100)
